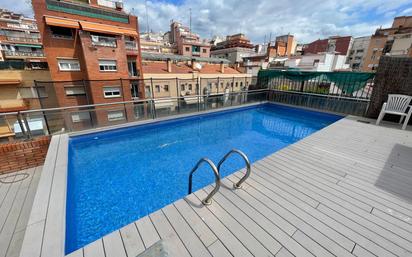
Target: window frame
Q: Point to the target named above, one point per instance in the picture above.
(105, 95)
(70, 62)
(123, 117)
(106, 66)
(68, 87)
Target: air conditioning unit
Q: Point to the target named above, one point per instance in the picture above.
(119, 5)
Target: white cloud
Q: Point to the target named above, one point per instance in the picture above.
(306, 19)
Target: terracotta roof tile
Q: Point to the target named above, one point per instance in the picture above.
(161, 68)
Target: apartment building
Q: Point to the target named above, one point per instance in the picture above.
(336, 44)
(318, 62)
(284, 45)
(186, 42)
(168, 76)
(234, 48)
(358, 52)
(20, 41)
(156, 43)
(383, 41)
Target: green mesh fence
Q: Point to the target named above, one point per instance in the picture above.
(353, 84)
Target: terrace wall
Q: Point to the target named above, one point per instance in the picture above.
(394, 76)
(22, 155)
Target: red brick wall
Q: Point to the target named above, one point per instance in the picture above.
(23, 155)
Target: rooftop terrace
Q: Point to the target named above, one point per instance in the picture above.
(343, 191)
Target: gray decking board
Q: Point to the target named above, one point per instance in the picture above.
(334, 193)
(17, 200)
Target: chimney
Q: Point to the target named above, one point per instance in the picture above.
(169, 65)
(222, 67)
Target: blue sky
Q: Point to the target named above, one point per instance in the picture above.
(306, 19)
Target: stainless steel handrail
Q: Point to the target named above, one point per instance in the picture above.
(208, 199)
(248, 169)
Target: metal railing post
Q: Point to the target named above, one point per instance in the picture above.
(26, 123)
(178, 96)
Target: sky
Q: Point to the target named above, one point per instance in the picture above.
(307, 20)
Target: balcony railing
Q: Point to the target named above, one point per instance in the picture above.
(131, 45)
(22, 26)
(87, 10)
(24, 39)
(23, 54)
(104, 41)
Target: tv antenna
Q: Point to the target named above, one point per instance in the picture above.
(147, 18)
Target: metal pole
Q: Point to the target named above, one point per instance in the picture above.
(41, 106)
(178, 96)
(27, 126)
(19, 118)
(124, 104)
(153, 97)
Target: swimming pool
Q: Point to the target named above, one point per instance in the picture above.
(115, 177)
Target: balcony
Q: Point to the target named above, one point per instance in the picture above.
(23, 39)
(22, 26)
(131, 45)
(9, 53)
(87, 11)
(103, 41)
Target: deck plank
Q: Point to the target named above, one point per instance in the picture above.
(94, 249)
(147, 231)
(7, 231)
(132, 240)
(113, 245)
(192, 242)
(167, 233)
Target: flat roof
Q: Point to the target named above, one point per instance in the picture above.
(175, 57)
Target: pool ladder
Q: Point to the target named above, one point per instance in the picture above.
(216, 172)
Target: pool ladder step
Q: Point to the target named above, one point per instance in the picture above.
(216, 172)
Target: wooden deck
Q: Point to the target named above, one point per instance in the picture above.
(17, 192)
(344, 191)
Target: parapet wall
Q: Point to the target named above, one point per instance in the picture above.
(22, 155)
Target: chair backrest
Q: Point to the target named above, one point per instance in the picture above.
(398, 103)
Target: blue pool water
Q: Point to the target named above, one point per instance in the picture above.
(118, 176)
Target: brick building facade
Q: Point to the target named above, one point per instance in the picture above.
(93, 51)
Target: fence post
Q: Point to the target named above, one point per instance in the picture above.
(178, 96)
(26, 123)
(41, 106)
(233, 84)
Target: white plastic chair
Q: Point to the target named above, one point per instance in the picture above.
(397, 104)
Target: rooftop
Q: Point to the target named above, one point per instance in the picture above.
(161, 67)
(173, 57)
(344, 191)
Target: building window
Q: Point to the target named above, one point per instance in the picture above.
(190, 87)
(111, 92)
(115, 115)
(68, 64)
(107, 65)
(182, 88)
(204, 50)
(80, 116)
(99, 40)
(241, 84)
(74, 90)
(236, 84)
(157, 88)
(187, 49)
(196, 49)
(131, 65)
(166, 88)
(60, 32)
